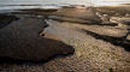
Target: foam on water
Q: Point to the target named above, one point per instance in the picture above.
(54, 4)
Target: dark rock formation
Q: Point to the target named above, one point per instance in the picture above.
(22, 40)
(6, 19)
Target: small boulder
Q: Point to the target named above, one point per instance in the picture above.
(127, 15)
(104, 17)
(128, 37)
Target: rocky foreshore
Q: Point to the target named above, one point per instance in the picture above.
(21, 40)
(98, 39)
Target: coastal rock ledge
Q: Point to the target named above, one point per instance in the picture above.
(21, 40)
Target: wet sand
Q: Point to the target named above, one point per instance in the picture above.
(96, 42)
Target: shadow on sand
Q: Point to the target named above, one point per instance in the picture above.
(83, 21)
(37, 51)
(118, 41)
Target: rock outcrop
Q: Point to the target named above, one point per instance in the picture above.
(21, 40)
(121, 21)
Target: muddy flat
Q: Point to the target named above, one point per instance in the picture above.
(91, 40)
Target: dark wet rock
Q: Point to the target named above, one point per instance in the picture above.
(22, 40)
(6, 19)
(41, 10)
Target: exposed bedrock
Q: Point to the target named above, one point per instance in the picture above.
(21, 40)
